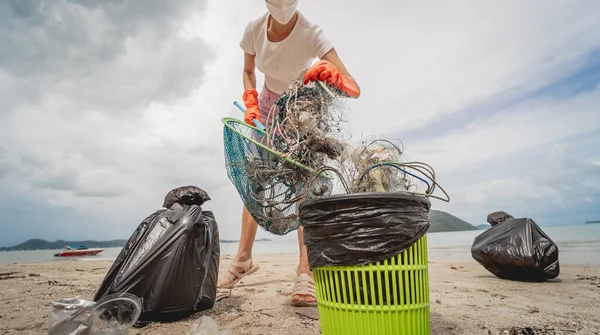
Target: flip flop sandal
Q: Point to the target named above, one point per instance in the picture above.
(222, 294)
(239, 276)
(304, 287)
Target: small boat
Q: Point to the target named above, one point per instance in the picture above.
(75, 251)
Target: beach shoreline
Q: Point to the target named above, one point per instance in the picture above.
(464, 299)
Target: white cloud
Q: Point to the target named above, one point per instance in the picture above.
(420, 61)
(518, 129)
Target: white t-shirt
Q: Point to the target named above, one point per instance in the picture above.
(283, 61)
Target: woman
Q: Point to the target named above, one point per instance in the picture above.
(281, 43)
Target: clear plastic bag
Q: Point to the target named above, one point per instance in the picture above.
(71, 316)
(205, 326)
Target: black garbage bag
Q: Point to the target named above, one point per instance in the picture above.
(362, 228)
(186, 195)
(517, 249)
(498, 217)
(171, 261)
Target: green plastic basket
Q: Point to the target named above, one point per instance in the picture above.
(389, 297)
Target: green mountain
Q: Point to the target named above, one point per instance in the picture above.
(39, 244)
(442, 222)
(483, 226)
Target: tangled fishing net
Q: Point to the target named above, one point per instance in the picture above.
(275, 171)
(378, 165)
(304, 122)
(305, 154)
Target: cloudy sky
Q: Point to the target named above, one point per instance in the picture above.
(107, 105)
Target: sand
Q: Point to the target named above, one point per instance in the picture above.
(465, 299)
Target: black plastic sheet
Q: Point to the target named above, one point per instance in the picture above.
(171, 261)
(498, 217)
(362, 228)
(517, 249)
(186, 195)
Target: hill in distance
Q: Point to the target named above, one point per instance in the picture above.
(483, 226)
(443, 222)
(440, 222)
(39, 244)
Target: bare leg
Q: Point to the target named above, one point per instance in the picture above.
(249, 228)
(303, 268)
(244, 252)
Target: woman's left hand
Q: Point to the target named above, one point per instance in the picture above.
(325, 71)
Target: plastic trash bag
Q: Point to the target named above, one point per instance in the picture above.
(517, 249)
(205, 326)
(498, 217)
(186, 195)
(116, 314)
(171, 261)
(362, 228)
(71, 316)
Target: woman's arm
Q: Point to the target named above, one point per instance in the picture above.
(250, 95)
(332, 57)
(249, 78)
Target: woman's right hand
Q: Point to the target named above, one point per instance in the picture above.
(252, 112)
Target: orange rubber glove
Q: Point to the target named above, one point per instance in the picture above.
(327, 72)
(251, 101)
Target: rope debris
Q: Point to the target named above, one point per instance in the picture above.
(304, 126)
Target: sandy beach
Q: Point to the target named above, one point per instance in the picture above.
(465, 299)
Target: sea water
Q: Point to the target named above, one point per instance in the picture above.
(578, 244)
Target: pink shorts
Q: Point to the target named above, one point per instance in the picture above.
(266, 99)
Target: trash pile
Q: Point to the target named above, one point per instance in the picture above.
(304, 122)
(305, 154)
(306, 126)
(167, 271)
(171, 261)
(516, 249)
(113, 314)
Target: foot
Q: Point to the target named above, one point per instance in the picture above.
(237, 270)
(304, 290)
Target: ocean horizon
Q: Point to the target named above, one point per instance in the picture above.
(577, 244)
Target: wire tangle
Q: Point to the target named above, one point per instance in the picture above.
(303, 155)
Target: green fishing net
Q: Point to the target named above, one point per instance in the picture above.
(271, 186)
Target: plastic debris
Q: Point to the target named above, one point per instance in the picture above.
(362, 228)
(71, 316)
(516, 249)
(205, 326)
(171, 261)
(116, 314)
(498, 217)
(112, 315)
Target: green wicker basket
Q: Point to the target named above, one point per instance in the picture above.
(389, 297)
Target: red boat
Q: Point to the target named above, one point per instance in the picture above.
(70, 251)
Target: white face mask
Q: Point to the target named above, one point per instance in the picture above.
(282, 10)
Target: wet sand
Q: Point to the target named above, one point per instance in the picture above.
(465, 299)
